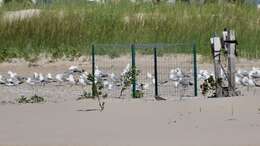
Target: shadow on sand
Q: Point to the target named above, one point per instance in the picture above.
(88, 110)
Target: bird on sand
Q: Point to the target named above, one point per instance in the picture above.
(2, 80)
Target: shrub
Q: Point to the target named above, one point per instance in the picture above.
(33, 99)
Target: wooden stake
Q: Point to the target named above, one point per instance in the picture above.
(231, 62)
(216, 44)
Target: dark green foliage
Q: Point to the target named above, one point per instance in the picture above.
(139, 94)
(97, 87)
(23, 100)
(128, 78)
(97, 91)
(208, 87)
(86, 95)
(36, 99)
(33, 99)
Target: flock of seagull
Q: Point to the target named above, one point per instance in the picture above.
(246, 78)
(76, 76)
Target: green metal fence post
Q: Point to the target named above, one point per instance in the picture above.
(195, 69)
(133, 71)
(93, 70)
(155, 72)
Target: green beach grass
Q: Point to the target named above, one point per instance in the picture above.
(69, 28)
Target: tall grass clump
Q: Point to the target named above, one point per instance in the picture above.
(64, 29)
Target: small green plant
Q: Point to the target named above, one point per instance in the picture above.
(127, 80)
(209, 86)
(36, 99)
(139, 94)
(85, 95)
(97, 87)
(33, 99)
(22, 100)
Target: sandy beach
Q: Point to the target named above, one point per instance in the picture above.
(62, 120)
(200, 122)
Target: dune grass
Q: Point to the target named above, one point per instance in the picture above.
(64, 29)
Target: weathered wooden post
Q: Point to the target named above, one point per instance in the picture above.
(230, 44)
(93, 70)
(133, 71)
(216, 50)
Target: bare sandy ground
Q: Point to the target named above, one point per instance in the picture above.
(125, 122)
(199, 122)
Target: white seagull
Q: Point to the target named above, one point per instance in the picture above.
(2, 80)
(71, 79)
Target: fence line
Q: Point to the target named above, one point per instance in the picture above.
(154, 70)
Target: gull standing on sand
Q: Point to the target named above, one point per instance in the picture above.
(60, 78)
(30, 81)
(74, 69)
(2, 80)
(249, 83)
(175, 74)
(203, 75)
(126, 69)
(254, 73)
(82, 81)
(71, 80)
(99, 73)
(13, 79)
(115, 79)
(35, 75)
(150, 76)
(42, 79)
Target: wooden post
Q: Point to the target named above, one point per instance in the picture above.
(216, 44)
(93, 71)
(133, 72)
(231, 48)
(155, 72)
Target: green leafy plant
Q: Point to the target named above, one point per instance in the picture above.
(97, 91)
(127, 79)
(208, 87)
(23, 100)
(139, 94)
(36, 99)
(86, 95)
(33, 99)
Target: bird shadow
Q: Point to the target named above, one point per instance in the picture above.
(88, 110)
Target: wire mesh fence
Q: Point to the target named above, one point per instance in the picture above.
(177, 71)
(110, 69)
(166, 70)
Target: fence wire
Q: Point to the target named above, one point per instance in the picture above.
(175, 69)
(113, 68)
